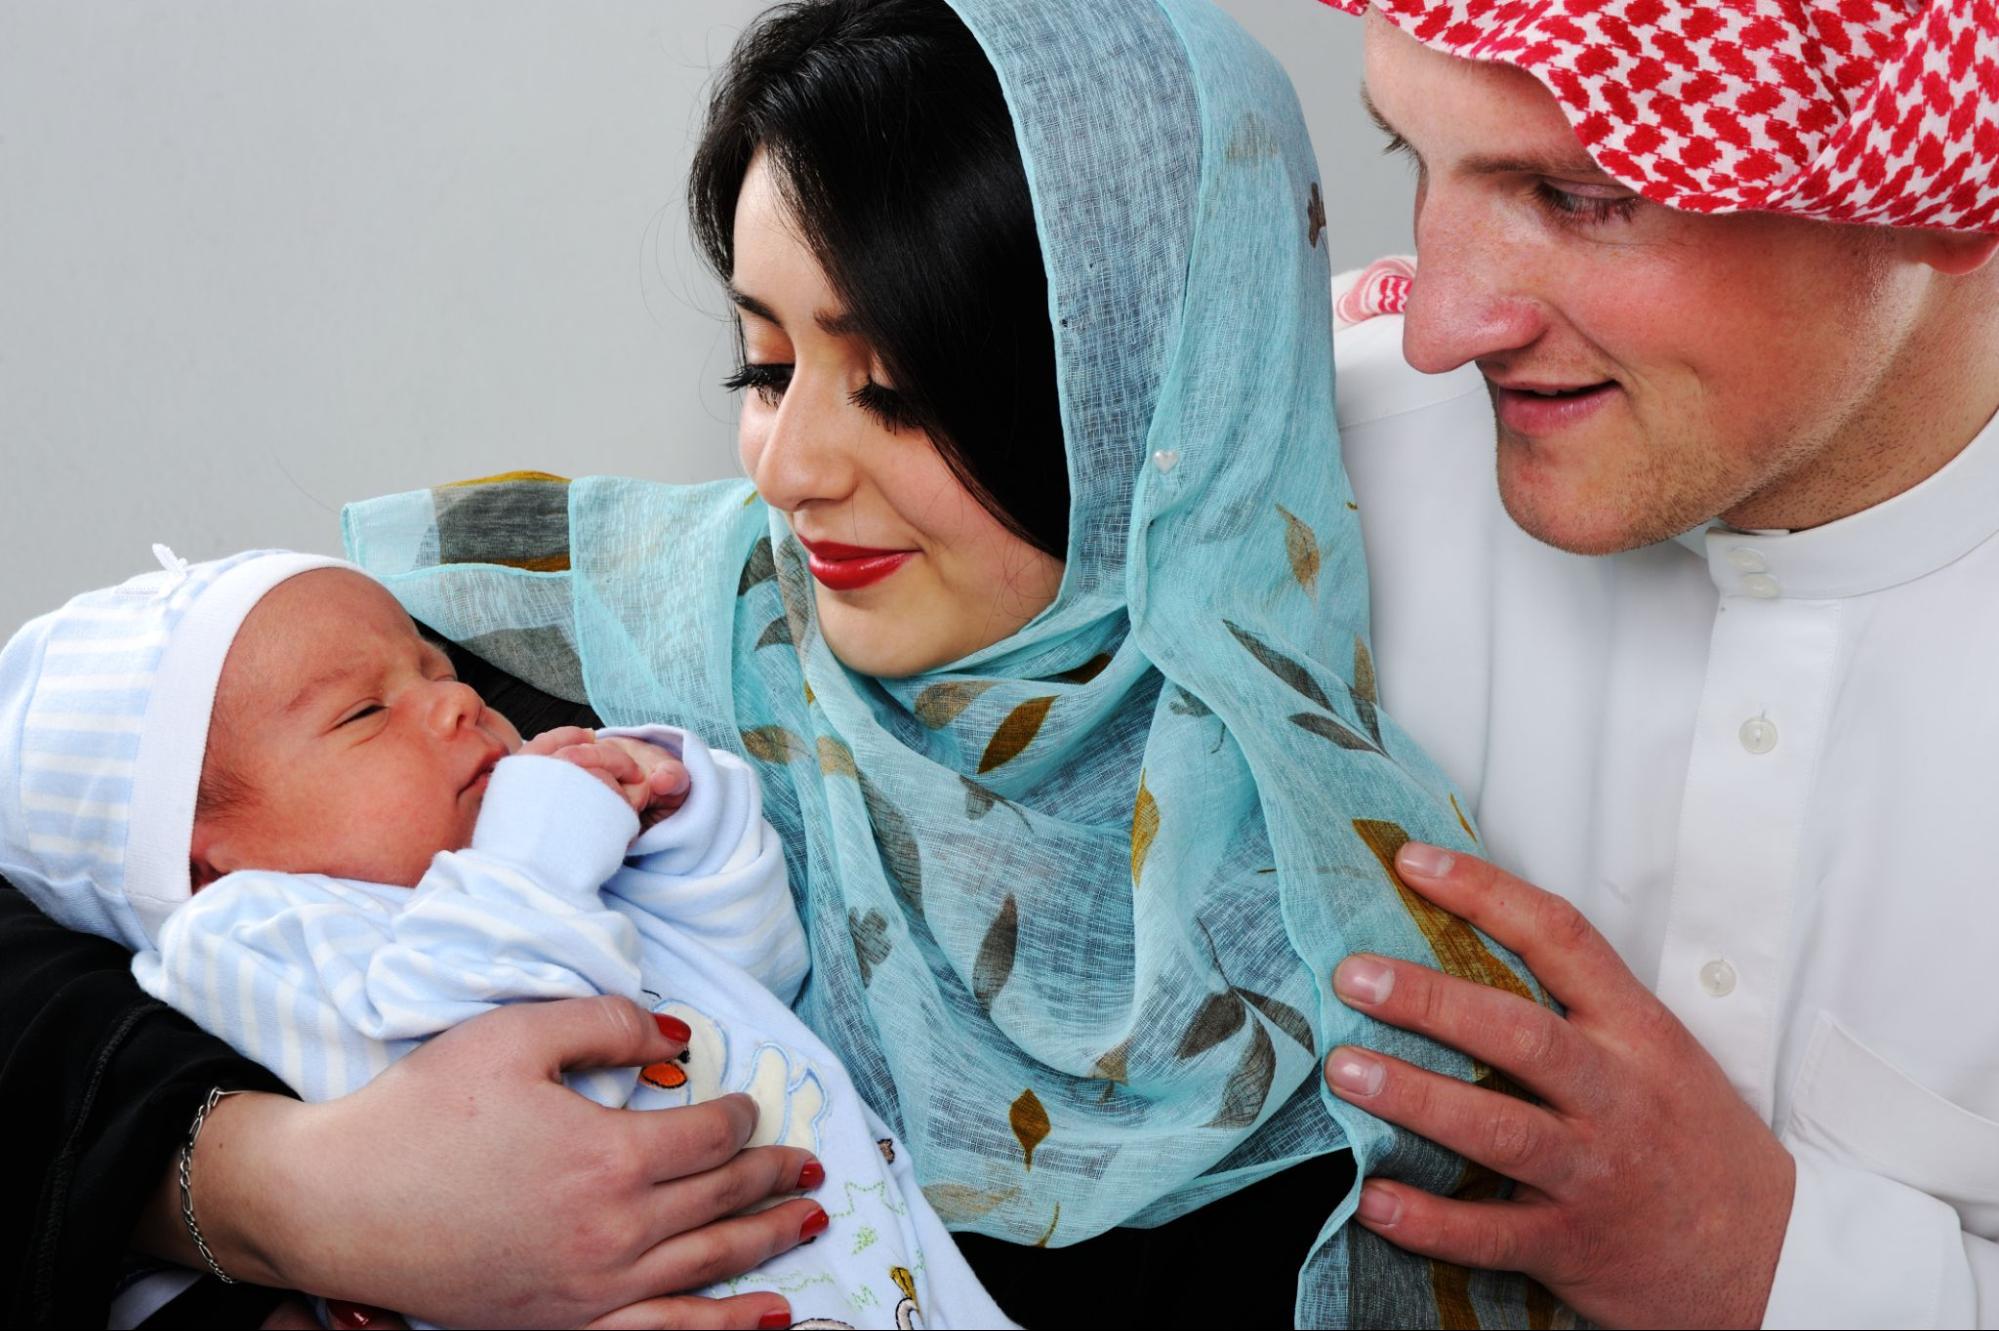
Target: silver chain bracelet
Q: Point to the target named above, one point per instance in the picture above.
(187, 1184)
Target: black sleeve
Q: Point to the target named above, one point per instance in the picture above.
(100, 1082)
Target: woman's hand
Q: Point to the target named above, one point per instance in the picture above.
(468, 1186)
(1649, 1192)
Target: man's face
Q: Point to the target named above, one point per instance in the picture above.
(1650, 368)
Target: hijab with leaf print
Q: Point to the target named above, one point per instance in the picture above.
(1074, 900)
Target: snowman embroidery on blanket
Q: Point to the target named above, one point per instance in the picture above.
(790, 1097)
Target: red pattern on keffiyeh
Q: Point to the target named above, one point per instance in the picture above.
(1884, 112)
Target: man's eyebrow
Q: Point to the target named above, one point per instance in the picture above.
(1574, 164)
(834, 323)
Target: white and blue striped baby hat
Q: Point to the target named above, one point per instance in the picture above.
(104, 708)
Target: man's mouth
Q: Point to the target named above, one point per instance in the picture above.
(1536, 408)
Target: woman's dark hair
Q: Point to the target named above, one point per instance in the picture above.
(889, 138)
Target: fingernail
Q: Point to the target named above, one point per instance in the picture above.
(772, 1320)
(673, 1028)
(1379, 1206)
(815, 1225)
(1418, 860)
(811, 1176)
(1355, 1073)
(349, 1315)
(1363, 980)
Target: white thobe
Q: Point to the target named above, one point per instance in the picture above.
(1766, 767)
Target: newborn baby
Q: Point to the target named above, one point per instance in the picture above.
(325, 849)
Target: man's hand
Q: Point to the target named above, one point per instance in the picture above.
(1649, 1192)
(644, 775)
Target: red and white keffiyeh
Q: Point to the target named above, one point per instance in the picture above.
(1883, 112)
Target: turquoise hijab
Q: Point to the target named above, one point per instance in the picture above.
(1074, 900)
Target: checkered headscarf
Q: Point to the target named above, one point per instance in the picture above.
(1883, 112)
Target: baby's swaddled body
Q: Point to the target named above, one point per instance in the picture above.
(328, 981)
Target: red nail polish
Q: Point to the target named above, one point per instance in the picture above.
(771, 1321)
(355, 1316)
(811, 1176)
(815, 1225)
(673, 1028)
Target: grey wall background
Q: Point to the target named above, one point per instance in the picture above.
(258, 258)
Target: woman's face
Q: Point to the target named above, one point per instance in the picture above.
(911, 570)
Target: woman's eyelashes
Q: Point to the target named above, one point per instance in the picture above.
(1584, 209)
(770, 379)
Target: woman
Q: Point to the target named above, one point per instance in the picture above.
(1044, 756)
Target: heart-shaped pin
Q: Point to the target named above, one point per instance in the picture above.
(1166, 459)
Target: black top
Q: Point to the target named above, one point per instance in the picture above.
(101, 1081)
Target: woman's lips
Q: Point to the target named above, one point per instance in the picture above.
(1527, 412)
(846, 568)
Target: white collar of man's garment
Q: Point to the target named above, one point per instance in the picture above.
(1898, 540)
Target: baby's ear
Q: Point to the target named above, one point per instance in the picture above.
(201, 870)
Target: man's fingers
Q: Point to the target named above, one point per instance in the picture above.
(1562, 948)
(1503, 1133)
(728, 1248)
(1534, 1046)
(1485, 1235)
(745, 1311)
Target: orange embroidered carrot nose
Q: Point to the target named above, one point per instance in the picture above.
(667, 1076)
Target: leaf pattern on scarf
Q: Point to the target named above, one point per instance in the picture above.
(896, 842)
(1115, 1065)
(956, 1203)
(835, 758)
(1250, 1086)
(995, 962)
(1087, 671)
(1458, 948)
(1015, 733)
(1049, 1233)
(795, 591)
(940, 704)
(1030, 1124)
(979, 801)
(1186, 704)
(1366, 694)
(777, 631)
(1280, 665)
(1301, 547)
(760, 568)
(1463, 821)
(1220, 1017)
(772, 744)
(871, 941)
(1144, 827)
(1327, 728)
(1283, 1016)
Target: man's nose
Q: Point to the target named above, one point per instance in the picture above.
(804, 456)
(1472, 294)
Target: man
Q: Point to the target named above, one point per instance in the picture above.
(1729, 263)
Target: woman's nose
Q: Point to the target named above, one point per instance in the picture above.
(800, 454)
(1470, 298)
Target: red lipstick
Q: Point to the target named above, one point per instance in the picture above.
(846, 568)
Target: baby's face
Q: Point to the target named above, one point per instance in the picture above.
(359, 753)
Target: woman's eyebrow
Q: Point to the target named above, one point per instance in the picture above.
(749, 304)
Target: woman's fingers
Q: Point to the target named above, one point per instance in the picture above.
(685, 1143)
(726, 1248)
(745, 1310)
(1506, 1134)
(753, 1176)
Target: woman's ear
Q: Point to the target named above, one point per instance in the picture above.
(1952, 253)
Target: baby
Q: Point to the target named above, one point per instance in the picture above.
(323, 848)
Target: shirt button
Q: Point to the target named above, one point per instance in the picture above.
(1745, 560)
(1762, 586)
(1758, 734)
(1718, 978)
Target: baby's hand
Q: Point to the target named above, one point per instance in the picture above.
(665, 779)
(645, 776)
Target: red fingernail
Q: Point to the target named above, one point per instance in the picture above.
(673, 1028)
(815, 1225)
(811, 1176)
(771, 1321)
(355, 1315)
